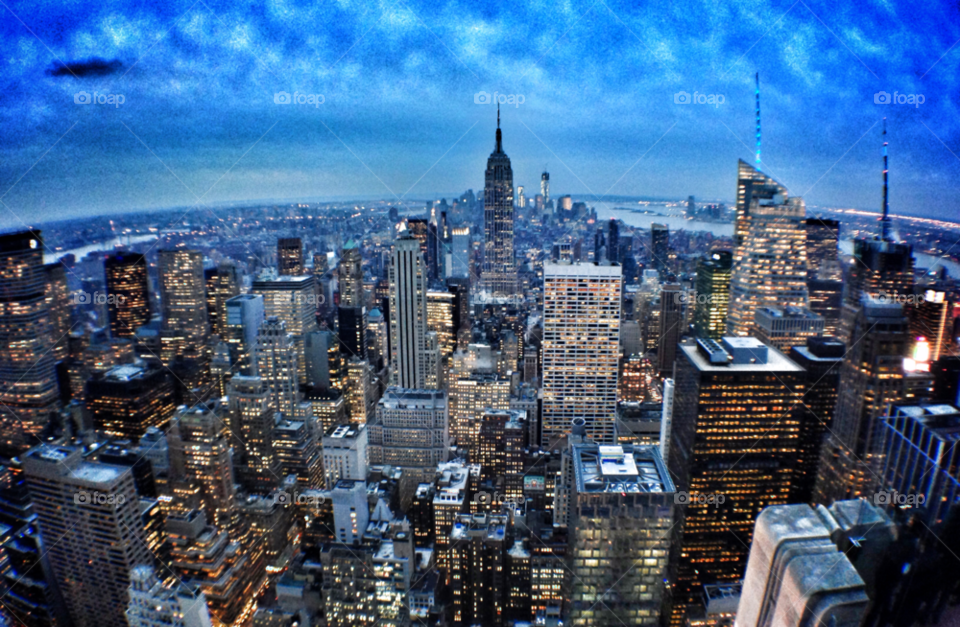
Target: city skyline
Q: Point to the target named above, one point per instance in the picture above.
(211, 132)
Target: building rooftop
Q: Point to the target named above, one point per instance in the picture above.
(625, 469)
(775, 360)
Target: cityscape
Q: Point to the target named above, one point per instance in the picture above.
(726, 392)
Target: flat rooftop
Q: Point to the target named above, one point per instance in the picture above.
(776, 361)
(624, 469)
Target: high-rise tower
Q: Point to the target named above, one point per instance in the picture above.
(499, 267)
(129, 309)
(410, 361)
(183, 303)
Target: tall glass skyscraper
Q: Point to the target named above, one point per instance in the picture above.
(126, 275)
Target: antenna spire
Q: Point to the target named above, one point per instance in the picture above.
(758, 118)
(499, 135)
(885, 216)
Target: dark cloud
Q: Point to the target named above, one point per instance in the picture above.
(85, 68)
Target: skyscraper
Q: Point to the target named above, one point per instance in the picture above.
(871, 377)
(786, 328)
(499, 274)
(581, 343)
(350, 275)
(671, 327)
(183, 303)
(713, 294)
(253, 417)
(470, 394)
(823, 240)
(244, 315)
(460, 252)
(545, 187)
(28, 380)
(224, 284)
(410, 430)
(153, 604)
(90, 514)
(733, 449)
(277, 365)
(129, 309)
(770, 265)
(660, 249)
(292, 299)
(289, 256)
(127, 400)
(408, 314)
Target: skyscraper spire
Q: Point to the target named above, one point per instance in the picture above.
(885, 216)
(758, 120)
(499, 136)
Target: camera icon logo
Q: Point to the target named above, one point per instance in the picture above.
(81, 498)
(682, 97)
(681, 498)
(482, 97)
(882, 97)
(82, 97)
(483, 498)
(281, 498)
(282, 97)
(881, 498)
(81, 298)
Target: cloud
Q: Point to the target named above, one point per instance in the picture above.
(85, 68)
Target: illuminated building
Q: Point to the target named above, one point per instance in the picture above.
(329, 406)
(786, 328)
(28, 378)
(638, 380)
(932, 319)
(545, 188)
(823, 258)
(580, 348)
(671, 326)
(92, 514)
(477, 548)
(292, 299)
(57, 297)
(499, 275)
(822, 359)
(882, 267)
(223, 283)
(501, 440)
(410, 430)
(770, 255)
(639, 423)
(460, 252)
(871, 377)
(826, 299)
(127, 400)
(719, 606)
(802, 570)
(350, 597)
(441, 318)
(622, 512)
(201, 468)
(421, 515)
(244, 315)
(155, 604)
(921, 457)
(321, 264)
(277, 365)
(713, 294)
(253, 418)
(298, 450)
(126, 281)
(324, 360)
(289, 256)
(350, 276)
(660, 249)
(408, 314)
(469, 396)
(357, 393)
(183, 303)
(548, 571)
(345, 453)
(204, 556)
(734, 434)
(449, 501)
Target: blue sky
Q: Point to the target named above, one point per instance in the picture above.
(198, 121)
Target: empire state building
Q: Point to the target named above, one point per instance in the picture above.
(499, 276)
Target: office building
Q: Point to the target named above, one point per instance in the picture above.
(671, 326)
(442, 318)
(329, 407)
(470, 395)
(823, 249)
(871, 377)
(126, 281)
(787, 327)
(479, 586)
(499, 275)
(460, 252)
(223, 283)
(345, 453)
(357, 390)
(293, 300)
(713, 294)
(253, 418)
(244, 315)
(155, 604)
(352, 331)
(409, 367)
(659, 254)
(733, 435)
(580, 349)
(127, 400)
(921, 459)
(932, 319)
(277, 365)
(770, 254)
(410, 430)
(350, 276)
(826, 300)
(183, 305)
(622, 512)
(545, 187)
(92, 512)
(297, 448)
(289, 256)
(28, 378)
